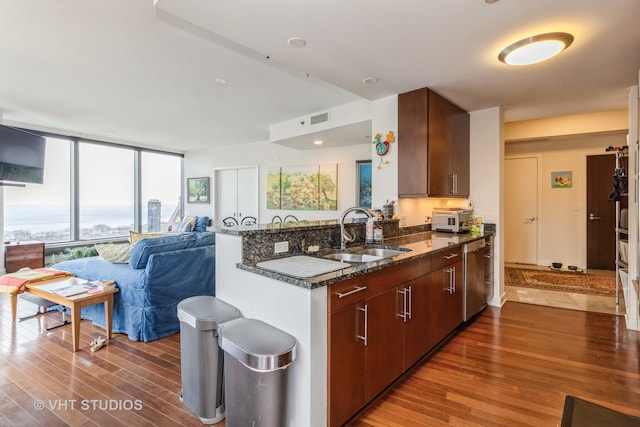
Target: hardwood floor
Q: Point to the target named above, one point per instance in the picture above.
(512, 366)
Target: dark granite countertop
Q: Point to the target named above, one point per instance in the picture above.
(420, 245)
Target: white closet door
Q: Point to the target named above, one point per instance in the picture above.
(226, 194)
(247, 192)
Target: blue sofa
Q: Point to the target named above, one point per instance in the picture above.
(161, 272)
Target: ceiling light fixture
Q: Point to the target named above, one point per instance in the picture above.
(317, 142)
(221, 81)
(370, 81)
(535, 49)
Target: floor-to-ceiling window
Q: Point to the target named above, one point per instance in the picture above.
(42, 211)
(93, 191)
(161, 190)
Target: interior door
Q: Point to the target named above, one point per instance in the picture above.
(521, 210)
(601, 213)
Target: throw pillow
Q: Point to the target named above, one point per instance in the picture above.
(188, 224)
(202, 223)
(135, 237)
(115, 253)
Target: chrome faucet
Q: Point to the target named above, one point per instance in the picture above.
(345, 237)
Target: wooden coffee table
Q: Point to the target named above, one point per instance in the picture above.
(75, 304)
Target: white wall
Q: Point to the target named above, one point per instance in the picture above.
(486, 183)
(563, 213)
(267, 154)
(198, 164)
(384, 175)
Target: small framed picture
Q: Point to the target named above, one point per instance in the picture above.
(198, 190)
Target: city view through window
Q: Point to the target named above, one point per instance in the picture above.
(106, 195)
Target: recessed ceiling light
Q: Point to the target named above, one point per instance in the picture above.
(317, 142)
(297, 42)
(221, 81)
(370, 81)
(535, 49)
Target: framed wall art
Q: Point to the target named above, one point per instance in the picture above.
(198, 190)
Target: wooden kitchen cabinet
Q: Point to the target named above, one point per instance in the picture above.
(446, 294)
(368, 335)
(433, 150)
(416, 336)
(23, 254)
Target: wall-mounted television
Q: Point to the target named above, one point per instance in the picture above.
(21, 156)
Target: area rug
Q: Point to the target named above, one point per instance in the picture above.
(581, 413)
(561, 281)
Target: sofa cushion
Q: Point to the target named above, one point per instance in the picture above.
(135, 237)
(187, 224)
(117, 253)
(145, 248)
(202, 223)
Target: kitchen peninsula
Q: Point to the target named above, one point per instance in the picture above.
(313, 308)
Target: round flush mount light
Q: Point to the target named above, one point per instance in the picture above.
(535, 49)
(318, 142)
(370, 81)
(221, 81)
(297, 42)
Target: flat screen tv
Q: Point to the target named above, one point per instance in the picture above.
(21, 156)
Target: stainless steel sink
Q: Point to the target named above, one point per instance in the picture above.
(349, 257)
(367, 255)
(382, 252)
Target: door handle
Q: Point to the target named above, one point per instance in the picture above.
(592, 217)
(529, 220)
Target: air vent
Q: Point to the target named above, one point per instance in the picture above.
(319, 118)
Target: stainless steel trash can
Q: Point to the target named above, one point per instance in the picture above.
(201, 357)
(256, 361)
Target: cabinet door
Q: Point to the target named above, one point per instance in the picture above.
(226, 194)
(413, 144)
(247, 193)
(440, 146)
(346, 363)
(416, 327)
(383, 351)
(460, 159)
(456, 296)
(438, 306)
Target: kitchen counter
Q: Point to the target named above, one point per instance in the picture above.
(418, 245)
(300, 306)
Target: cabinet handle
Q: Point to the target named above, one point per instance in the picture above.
(403, 311)
(488, 256)
(410, 301)
(455, 183)
(364, 309)
(452, 280)
(450, 256)
(351, 292)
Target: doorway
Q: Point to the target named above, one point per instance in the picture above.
(521, 210)
(601, 213)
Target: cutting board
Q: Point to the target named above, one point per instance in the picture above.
(302, 266)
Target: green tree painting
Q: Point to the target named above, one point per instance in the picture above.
(303, 187)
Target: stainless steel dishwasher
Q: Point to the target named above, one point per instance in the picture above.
(475, 298)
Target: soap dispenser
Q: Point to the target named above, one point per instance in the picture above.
(369, 233)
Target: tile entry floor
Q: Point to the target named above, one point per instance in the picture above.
(569, 300)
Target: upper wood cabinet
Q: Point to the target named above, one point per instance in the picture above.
(433, 146)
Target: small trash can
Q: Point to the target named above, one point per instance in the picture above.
(256, 361)
(201, 357)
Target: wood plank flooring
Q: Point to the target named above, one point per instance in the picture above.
(511, 367)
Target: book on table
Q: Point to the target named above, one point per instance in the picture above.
(72, 286)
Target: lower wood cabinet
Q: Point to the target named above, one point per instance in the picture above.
(445, 301)
(378, 328)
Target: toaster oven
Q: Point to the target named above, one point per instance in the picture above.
(451, 220)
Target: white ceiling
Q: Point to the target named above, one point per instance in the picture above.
(125, 70)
